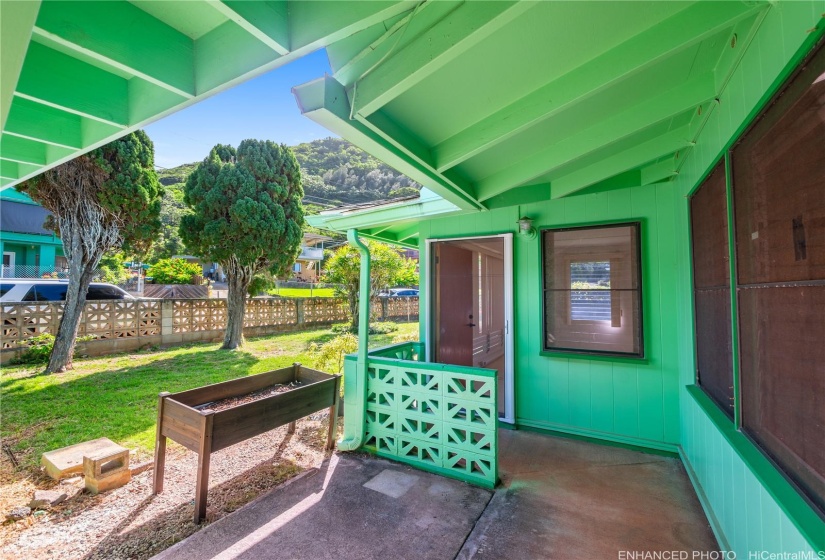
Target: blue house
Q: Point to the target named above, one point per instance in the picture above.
(29, 249)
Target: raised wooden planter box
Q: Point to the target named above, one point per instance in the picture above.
(208, 431)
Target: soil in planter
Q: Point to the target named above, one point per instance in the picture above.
(229, 402)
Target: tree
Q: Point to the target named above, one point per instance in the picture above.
(344, 266)
(247, 216)
(108, 198)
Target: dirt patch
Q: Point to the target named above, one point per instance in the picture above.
(131, 523)
(229, 402)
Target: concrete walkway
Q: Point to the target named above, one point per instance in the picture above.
(354, 507)
(560, 498)
(569, 499)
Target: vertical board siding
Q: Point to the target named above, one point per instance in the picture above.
(747, 517)
(625, 400)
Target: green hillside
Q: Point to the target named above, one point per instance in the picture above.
(334, 173)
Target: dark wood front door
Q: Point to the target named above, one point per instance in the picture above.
(454, 304)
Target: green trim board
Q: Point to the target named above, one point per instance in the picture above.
(601, 438)
(734, 302)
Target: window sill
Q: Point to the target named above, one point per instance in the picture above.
(595, 357)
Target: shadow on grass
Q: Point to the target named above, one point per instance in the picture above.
(120, 404)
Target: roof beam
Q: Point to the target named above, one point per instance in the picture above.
(692, 25)
(23, 150)
(108, 31)
(16, 170)
(266, 21)
(325, 102)
(657, 172)
(683, 97)
(52, 78)
(407, 233)
(16, 22)
(316, 24)
(348, 67)
(621, 162)
(521, 195)
(442, 43)
(34, 121)
(14, 148)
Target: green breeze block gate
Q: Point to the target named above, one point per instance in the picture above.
(437, 417)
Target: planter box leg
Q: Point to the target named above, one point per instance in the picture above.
(333, 415)
(160, 450)
(290, 429)
(204, 455)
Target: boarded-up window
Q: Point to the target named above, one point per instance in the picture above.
(711, 283)
(779, 200)
(592, 290)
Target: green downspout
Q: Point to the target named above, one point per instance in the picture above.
(354, 430)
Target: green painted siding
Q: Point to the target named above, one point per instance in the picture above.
(748, 502)
(623, 400)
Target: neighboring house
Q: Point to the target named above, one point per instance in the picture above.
(622, 228)
(307, 267)
(29, 250)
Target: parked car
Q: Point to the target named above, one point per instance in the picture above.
(399, 292)
(54, 290)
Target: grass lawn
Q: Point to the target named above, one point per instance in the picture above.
(116, 396)
(303, 292)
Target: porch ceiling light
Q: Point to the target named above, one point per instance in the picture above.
(525, 228)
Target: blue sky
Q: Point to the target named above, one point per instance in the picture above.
(261, 108)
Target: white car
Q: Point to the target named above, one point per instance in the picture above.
(13, 290)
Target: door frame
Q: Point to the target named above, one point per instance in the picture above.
(509, 349)
(11, 266)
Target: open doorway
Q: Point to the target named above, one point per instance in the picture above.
(470, 302)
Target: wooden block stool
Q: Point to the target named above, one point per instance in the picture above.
(106, 469)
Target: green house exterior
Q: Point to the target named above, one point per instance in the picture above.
(29, 250)
(568, 113)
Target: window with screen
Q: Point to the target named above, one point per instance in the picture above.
(778, 179)
(711, 289)
(592, 290)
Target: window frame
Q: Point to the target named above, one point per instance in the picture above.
(635, 357)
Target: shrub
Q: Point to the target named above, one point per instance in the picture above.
(262, 283)
(375, 328)
(174, 271)
(383, 328)
(329, 357)
(405, 337)
(39, 348)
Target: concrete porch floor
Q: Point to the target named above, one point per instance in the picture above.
(560, 498)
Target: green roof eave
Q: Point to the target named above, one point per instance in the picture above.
(325, 101)
(385, 214)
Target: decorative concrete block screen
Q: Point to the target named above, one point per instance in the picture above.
(437, 417)
(127, 325)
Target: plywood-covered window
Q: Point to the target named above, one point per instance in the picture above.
(778, 178)
(711, 289)
(592, 290)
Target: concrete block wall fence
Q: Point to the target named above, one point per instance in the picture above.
(122, 326)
